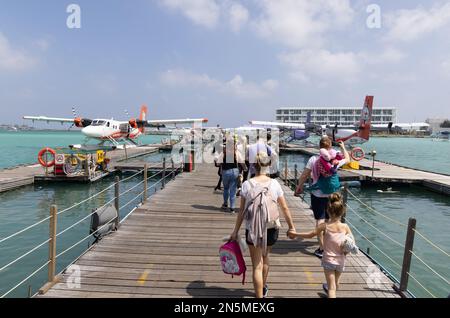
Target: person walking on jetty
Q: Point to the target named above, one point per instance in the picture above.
(335, 235)
(254, 149)
(230, 161)
(260, 198)
(319, 196)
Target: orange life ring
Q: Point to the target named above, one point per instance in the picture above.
(355, 156)
(43, 163)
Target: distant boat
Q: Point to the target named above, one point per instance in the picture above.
(441, 136)
(12, 128)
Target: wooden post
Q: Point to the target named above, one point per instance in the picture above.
(116, 201)
(163, 182)
(173, 168)
(52, 279)
(145, 183)
(374, 153)
(285, 172)
(345, 199)
(295, 176)
(368, 251)
(409, 244)
(126, 153)
(52, 244)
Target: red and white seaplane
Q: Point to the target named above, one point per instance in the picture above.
(114, 131)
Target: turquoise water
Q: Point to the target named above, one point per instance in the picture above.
(420, 153)
(30, 204)
(432, 212)
(22, 147)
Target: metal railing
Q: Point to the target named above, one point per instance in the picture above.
(165, 175)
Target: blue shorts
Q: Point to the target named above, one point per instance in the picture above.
(319, 207)
(333, 267)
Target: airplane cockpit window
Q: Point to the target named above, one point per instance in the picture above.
(98, 123)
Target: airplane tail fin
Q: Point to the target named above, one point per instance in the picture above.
(143, 117)
(366, 118)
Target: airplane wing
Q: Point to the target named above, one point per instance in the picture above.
(49, 119)
(166, 122)
(278, 125)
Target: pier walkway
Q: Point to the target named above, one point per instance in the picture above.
(169, 247)
(16, 177)
(387, 173)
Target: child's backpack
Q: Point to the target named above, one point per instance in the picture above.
(231, 259)
(261, 213)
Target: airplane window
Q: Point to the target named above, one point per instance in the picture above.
(98, 123)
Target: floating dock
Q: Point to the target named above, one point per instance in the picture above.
(169, 247)
(16, 177)
(384, 173)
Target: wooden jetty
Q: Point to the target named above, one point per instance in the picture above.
(169, 247)
(25, 175)
(385, 173)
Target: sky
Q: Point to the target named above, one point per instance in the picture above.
(227, 60)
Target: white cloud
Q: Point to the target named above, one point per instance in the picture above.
(388, 55)
(302, 23)
(322, 64)
(236, 86)
(12, 59)
(410, 25)
(202, 12)
(238, 16)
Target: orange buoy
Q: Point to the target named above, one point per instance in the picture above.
(41, 154)
(358, 154)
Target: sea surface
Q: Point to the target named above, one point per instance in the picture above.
(374, 215)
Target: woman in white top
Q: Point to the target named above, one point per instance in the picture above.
(259, 261)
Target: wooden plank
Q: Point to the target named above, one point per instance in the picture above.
(169, 247)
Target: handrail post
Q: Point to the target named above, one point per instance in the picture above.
(295, 176)
(402, 288)
(285, 172)
(52, 279)
(52, 243)
(173, 168)
(145, 182)
(345, 199)
(163, 182)
(116, 200)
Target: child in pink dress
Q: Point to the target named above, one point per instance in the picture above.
(335, 232)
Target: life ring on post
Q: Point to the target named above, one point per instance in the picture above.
(41, 160)
(358, 154)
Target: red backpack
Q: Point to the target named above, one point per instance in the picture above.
(231, 259)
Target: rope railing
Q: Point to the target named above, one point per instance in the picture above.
(420, 284)
(25, 279)
(374, 245)
(171, 172)
(24, 255)
(375, 228)
(67, 209)
(405, 270)
(429, 267)
(85, 238)
(375, 211)
(431, 243)
(132, 200)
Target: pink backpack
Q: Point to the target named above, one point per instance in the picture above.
(231, 259)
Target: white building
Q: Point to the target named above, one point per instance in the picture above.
(344, 116)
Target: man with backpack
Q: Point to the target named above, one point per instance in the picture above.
(260, 197)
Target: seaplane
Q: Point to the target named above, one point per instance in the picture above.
(350, 135)
(118, 133)
(291, 132)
